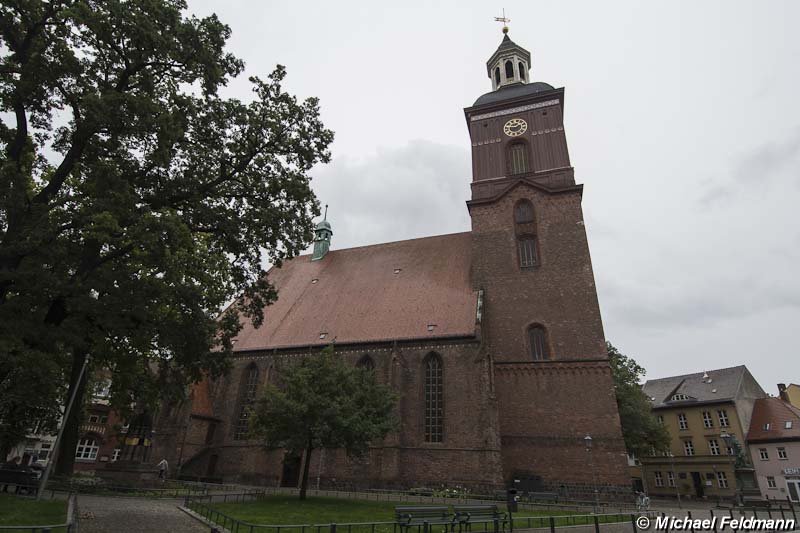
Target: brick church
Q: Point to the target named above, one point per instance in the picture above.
(492, 337)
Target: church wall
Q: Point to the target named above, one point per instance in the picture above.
(559, 294)
(469, 454)
(546, 410)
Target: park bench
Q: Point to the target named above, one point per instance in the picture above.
(466, 515)
(422, 516)
(24, 479)
(542, 497)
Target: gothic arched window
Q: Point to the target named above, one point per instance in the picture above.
(497, 75)
(366, 363)
(523, 212)
(509, 70)
(521, 71)
(434, 399)
(517, 158)
(537, 343)
(247, 397)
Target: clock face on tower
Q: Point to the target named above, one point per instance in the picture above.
(515, 127)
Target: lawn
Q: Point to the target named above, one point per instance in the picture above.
(289, 510)
(18, 511)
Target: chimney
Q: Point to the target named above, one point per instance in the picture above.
(782, 392)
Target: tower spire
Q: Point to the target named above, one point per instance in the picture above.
(511, 63)
(322, 237)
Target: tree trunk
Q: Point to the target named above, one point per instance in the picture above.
(69, 439)
(306, 464)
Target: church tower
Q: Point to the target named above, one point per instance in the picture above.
(530, 257)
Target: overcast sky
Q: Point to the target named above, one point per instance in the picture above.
(682, 120)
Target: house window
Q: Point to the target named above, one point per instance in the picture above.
(771, 482)
(671, 479)
(115, 454)
(723, 418)
(509, 70)
(44, 451)
(788, 424)
(763, 454)
(682, 423)
(688, 447)
(707, 420)
(434, 399)
(713, 446)
(782, 454)
(660, 419)
(730, 450)
(527, 251)
(366, 363)
(517, 155)
(537, 340)
(659, 479)
(722, 480)
(93, 419)
(247, 395)
(87, 449)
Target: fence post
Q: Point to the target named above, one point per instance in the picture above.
(691, 523)
(552, 524)
(713, 520)
(333, 528)
(596, 524)
(633, 522)
(496, 525)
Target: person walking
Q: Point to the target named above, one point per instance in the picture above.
(163, 466)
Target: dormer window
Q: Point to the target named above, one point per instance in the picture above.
(679, 397)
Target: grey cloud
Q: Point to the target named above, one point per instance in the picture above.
(415, 190)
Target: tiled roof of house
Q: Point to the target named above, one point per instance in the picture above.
(414, 289)
(776, 413)
(713, 385)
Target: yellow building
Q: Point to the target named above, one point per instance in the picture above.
(790, 393)
(707, 415)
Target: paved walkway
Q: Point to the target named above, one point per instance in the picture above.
(134, 515)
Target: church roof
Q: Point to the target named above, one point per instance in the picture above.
(384, 292)
(513, 91)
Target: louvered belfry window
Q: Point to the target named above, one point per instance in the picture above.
(434, 399)
(538, 343)
(518, 158)
(247, 399)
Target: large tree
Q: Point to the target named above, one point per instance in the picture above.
(135, 201)
(641, 430)
(322, 402)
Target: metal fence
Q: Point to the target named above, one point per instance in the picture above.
(70, 526)
(204, 507)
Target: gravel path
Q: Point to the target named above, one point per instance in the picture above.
(134, 515)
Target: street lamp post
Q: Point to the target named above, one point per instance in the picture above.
(587, 440)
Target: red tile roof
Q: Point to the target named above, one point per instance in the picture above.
(358, 296)
(776, 413)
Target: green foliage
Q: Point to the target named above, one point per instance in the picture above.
(322, 402)
(641, 430)
(135, 201)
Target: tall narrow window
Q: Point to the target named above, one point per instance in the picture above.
(247, 397)
(521, 71)
(366, 363)
(497, 75)
(509, 70)
(537, 339)
(434, 399)
(518, 158)
(527, 251)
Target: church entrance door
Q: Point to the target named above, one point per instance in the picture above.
(291, 470)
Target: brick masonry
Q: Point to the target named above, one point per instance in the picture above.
(505, 414)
